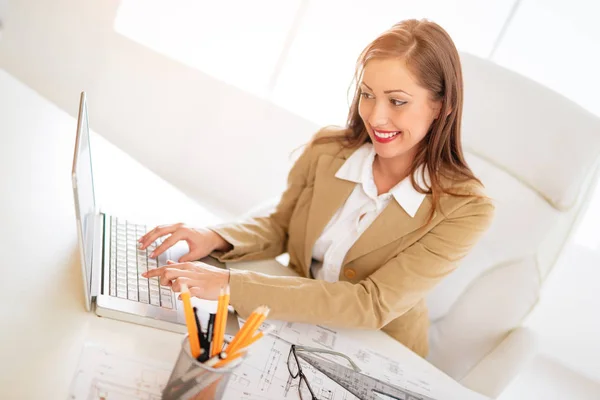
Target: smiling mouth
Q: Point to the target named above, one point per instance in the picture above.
(385, 136)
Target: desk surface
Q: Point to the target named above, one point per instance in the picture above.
(44, 322)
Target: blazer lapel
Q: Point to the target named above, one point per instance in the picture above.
(329, 193)
(392, 224)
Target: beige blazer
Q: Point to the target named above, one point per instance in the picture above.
(385, 275)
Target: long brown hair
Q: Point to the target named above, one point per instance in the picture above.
(433, 60)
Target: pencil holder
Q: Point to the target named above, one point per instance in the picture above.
(191, 379)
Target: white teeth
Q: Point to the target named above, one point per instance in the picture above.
(385, 135)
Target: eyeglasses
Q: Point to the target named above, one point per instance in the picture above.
(304, 389)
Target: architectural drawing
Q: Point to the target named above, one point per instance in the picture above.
(102, 375)
(266, 366)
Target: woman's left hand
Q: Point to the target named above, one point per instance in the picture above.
(203, 280)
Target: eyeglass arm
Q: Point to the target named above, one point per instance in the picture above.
(335, 353)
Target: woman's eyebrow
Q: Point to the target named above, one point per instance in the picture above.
(388, 91)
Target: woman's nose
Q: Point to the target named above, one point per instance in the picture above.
(379, 115)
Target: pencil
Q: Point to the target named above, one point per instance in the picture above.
(190, 321)
(225, 312)
(220, 321)
(248, 333)
(215, 338)
(259, 335)
(215, 359)
(250, 320)
(244, 340)
(229, 359)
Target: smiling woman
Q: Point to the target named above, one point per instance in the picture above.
(375, 214)
(410, 89)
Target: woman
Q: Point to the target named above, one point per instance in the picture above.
(374, 215)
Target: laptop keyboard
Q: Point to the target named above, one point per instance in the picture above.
(127, 262)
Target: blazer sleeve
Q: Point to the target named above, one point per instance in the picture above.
(266, 237)
(372, 303)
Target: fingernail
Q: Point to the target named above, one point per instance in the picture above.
(140, 245)
(152, 255)
(144, 274)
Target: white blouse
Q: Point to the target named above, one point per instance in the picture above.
(346, 225)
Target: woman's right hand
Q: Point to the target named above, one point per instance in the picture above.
(201, 241)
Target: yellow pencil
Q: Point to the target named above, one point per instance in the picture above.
(250, 331)
(229, 359)
(220, 321)
(190, 321)
(253, 328)
(259, 335)
(225, 313)
(215, 334)
(255, 314)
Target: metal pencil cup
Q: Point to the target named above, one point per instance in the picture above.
(193, 380)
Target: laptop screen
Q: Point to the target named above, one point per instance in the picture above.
(83, 189)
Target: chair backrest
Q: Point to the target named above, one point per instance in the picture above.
(537, 154)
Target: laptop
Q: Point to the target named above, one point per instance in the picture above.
(110, 260)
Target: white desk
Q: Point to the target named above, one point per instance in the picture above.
(44, 322)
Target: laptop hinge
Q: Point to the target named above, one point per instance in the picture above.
(97, 255)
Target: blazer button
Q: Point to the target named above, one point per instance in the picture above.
(349, 273)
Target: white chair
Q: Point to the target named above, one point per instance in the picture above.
(537, 154)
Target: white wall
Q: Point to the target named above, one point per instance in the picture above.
(167, 113)
(191, 129)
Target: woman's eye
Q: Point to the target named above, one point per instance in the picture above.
(397, 102)
(366, 95)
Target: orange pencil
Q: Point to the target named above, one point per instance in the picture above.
(225, 313)
(250, 331)
(259, 335)
(255, 314)
(190, 321)
(220, 321)
(229, 359)
(215, 334)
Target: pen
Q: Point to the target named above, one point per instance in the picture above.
(210, 332)
(190, 321)
(204, 344)
(198, 326)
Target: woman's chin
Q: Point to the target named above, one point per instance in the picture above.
(387, 151)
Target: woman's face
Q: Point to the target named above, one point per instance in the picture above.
(396, 111)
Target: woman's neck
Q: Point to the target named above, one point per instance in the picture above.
(388, 172)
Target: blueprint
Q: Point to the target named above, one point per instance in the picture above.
(102, 376)
(264, 374)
